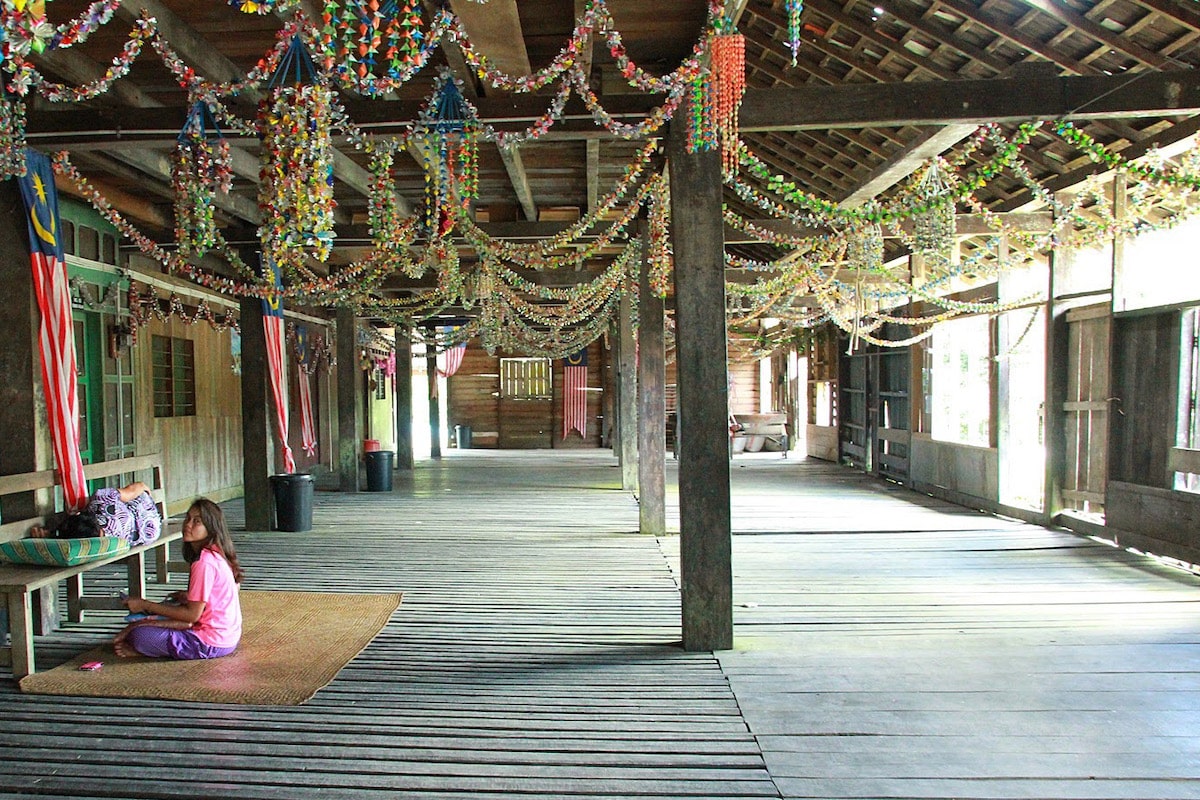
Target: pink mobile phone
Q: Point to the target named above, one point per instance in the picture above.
(92, 665)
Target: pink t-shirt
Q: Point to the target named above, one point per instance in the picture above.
(211, 580)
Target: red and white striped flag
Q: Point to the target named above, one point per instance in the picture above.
(56, 331)
(452, 356)
(575, 393)
(308, 431)
(276, 341)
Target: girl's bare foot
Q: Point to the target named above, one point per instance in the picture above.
(123, 650)
(38, 532)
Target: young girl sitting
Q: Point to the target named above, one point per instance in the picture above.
(205, 621)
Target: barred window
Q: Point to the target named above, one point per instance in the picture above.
(525, 378)
(174, 377)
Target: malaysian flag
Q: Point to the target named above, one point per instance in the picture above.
(273, 327)
(575, 393)
(56, 333)
(452, 356)
(308, 432)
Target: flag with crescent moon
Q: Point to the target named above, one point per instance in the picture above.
(56, 333)
(575, 393)
(273, 327)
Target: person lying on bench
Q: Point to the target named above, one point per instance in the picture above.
(128, 513)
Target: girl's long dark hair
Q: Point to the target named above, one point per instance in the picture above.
(218, 539)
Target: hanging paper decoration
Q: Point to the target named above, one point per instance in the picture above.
(447, 135)
(257, 6)
(793, 8)
(729, 84)
(26, 27)
(296, 187)
(200, 168)
(12, 133)
(864, 246)
(717, 96)
(934, 227)
(375, 45)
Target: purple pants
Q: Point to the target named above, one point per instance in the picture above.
(156, 642)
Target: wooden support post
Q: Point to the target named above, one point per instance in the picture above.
(20, 424)
(652, 403)
(23, 427)
(627, 451)
(435, 408)
(348, 408)
(257, 447)
(705, 531)
(404, 397)
(1056, 365)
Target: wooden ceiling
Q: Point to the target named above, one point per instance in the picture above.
(877, 88)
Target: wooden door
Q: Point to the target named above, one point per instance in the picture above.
(890, 404)
(1085, 412)
(854, 431)
(526, 404)
(874, 399)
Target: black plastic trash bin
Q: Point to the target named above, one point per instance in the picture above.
(293, 501)
(462, 437)
(379, 471)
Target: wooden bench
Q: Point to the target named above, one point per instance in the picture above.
(771, 426)
(19, 583)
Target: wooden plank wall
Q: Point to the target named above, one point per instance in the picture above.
(1142, 510)
(202, 455)
(473, 400)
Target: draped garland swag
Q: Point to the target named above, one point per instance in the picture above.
(373, 48)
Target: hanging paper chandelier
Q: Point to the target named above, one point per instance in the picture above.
(717, 96)
(359, 36)
(934, 227)
(447, 135)
(200, 168)
(296, 186)
(864, 246)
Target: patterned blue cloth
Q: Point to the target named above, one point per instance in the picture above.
(137, 521)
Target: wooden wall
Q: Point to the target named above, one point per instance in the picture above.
(744, 387)
(1141, 509)
(202, 454)
(473, 400)
(956, 472)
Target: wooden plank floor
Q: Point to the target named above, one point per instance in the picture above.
(902, 647)
(886, 646)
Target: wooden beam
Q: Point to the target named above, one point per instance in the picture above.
(130, 206)
(495, 29)
(1062, 13)
(973, 13)
(907, 162)
(974, 102)
(511, 156)
(779, 108)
